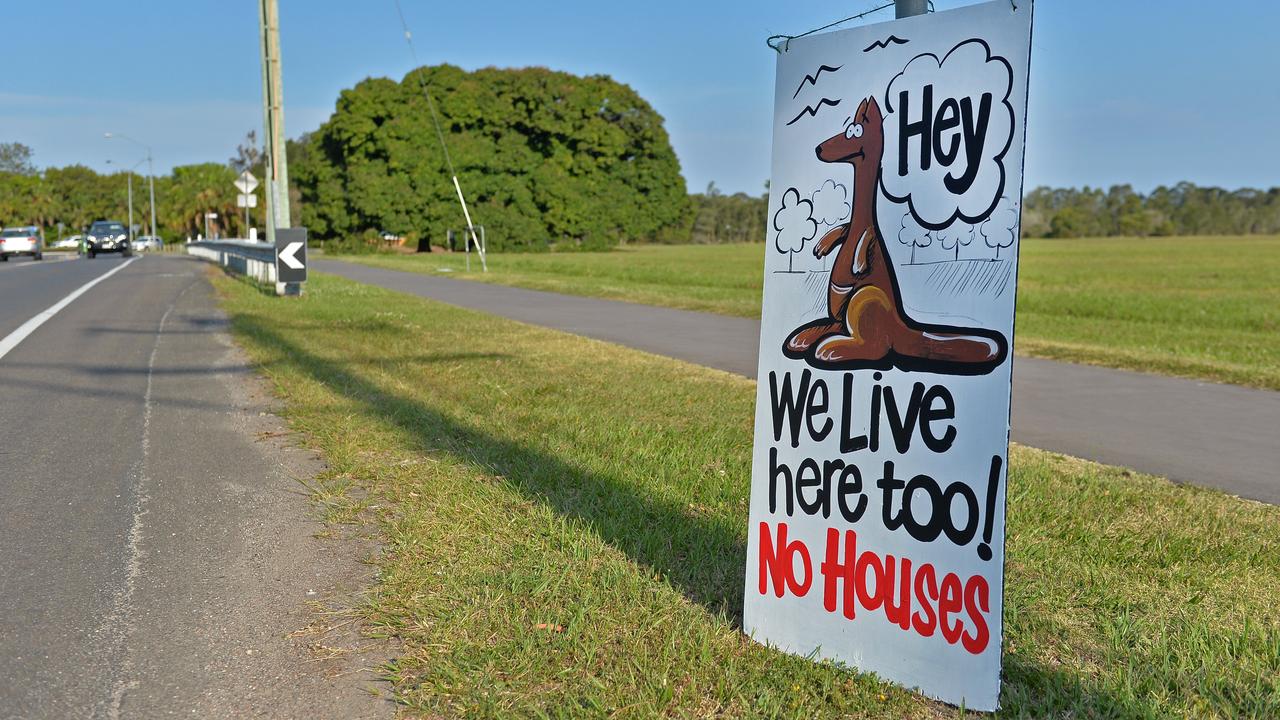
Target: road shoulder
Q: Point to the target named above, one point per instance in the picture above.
(237, 605)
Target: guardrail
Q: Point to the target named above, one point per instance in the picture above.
(247, 257)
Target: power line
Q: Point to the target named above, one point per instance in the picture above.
(435, 120)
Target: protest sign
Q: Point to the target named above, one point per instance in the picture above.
(877, 513)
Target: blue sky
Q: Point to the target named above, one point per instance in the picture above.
(1138, 92)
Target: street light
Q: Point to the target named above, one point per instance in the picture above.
(130, 176)
(151, 174)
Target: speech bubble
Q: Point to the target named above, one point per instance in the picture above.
(947, 127)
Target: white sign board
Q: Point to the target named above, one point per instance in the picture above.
(250, 201)
(882, 415)
(246, 182)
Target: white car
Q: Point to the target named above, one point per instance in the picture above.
(69, 243)
(23, 240)
(148, 242)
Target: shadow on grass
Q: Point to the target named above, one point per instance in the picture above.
(1034, 690)
(704, 559)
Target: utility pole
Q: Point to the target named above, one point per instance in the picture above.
(277, 169)
(151, 184)
(130, 181)
(907, 8)
(130, 208)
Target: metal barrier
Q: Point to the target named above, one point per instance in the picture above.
(247, 257)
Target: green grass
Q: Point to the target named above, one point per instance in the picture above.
(1197, 307)
(560, 540)
(725, 279)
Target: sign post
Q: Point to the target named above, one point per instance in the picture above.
(877, 506)
(246, 184)
(207, 217)
(291, 260)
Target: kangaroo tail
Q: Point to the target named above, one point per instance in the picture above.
(957, 351)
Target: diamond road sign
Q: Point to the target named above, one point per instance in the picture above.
(246, 183)
(291, 255)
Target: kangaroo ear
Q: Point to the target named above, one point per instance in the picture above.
(873, 109)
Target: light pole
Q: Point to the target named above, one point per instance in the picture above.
(151, 174)
(130, 179)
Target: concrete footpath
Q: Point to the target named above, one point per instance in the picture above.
(1203, 433)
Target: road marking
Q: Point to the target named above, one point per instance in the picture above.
(11, 340)
(120, 621)
(290, 255)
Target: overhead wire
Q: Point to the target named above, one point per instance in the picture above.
(444, 147)
(781, 43)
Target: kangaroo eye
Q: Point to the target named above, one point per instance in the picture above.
(853, 131)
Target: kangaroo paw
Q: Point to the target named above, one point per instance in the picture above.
(849, 352)
(805, 336)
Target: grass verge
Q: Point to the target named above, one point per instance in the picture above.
(565, 522)
(1191, 306)
(724, 279)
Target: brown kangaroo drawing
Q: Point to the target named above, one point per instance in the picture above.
(866, 326)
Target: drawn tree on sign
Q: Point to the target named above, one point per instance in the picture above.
(959, 234)
(794, 225)
(831, 203)
(910, 233)
(1000, 229)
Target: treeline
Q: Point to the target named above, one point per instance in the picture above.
(76, 196)
(1184, 209)
(549, 161)
(719, 218)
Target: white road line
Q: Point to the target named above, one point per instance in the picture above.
(10, 341)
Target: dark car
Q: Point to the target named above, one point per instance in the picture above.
(107, 236)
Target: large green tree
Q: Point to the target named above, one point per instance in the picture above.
(546, 158)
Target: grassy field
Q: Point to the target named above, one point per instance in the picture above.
(1198, 307)
(722, 279)
(561, 541)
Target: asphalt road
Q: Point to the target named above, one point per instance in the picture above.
(1207, 434)
(156, 549)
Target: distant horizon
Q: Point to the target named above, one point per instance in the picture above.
(692, 190)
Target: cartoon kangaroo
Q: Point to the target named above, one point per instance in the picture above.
(866, 326)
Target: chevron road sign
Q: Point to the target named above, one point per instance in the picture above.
(291, 255)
